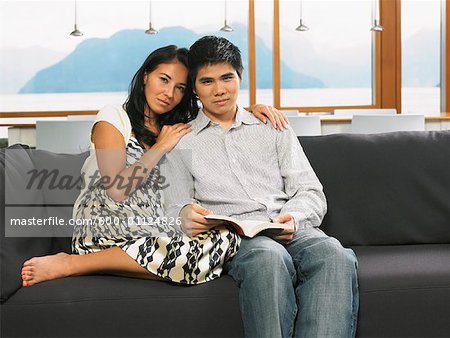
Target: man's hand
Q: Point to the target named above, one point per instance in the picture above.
(278, 119)
(286, 235)
(193, 222)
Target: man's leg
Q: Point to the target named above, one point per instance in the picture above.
(266, 276)
(327, 291)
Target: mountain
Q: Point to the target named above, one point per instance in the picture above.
(107, 65)
(18, 65)
(350, 66)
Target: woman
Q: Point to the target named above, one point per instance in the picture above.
(125, 232)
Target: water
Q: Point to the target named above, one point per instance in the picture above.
(415, 100)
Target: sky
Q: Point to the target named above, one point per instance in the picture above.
(104, 18)
(26, 23)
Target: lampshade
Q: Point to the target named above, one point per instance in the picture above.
(150, 30)
(76, 31)
(226, 27)
(377, 27)
(301, 27)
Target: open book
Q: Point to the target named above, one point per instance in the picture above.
(249, 228)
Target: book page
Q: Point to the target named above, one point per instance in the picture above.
(249, 228)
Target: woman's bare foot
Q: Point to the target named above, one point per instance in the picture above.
(39, 269)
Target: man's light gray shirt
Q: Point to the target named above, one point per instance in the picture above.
(250, 171)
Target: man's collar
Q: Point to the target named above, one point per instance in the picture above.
(201, 122)
(245, 117)
(242, 117)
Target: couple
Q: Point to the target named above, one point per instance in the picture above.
(299, 282)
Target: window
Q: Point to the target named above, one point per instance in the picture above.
(421, 57)
(338, 62)
(264, 51)
(331, 63)
(45, 69)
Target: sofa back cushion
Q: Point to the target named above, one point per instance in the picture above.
(60, 188)
(382, 189)
(21, 241)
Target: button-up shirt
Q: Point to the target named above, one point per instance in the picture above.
(249, 171)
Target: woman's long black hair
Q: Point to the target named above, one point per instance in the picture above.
(136, 102)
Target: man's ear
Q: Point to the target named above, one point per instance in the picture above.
(241, 73)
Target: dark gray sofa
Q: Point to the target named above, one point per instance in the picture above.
(388, 198)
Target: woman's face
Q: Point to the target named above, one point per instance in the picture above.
(165, 86)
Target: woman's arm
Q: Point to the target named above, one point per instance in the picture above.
(120, 181)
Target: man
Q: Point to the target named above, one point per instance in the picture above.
(298, 282)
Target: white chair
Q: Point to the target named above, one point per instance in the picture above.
(371, 111)
(81, 117)
(306, 125)
(372, 124)
(69, 137)
(290, 113)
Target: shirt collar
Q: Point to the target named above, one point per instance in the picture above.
(201, 122)
(242, 117)
(245, 117)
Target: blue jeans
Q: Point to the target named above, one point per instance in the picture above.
(306, 288)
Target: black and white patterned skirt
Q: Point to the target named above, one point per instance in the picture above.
(139, 228)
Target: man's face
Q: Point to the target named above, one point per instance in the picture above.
(217, 87)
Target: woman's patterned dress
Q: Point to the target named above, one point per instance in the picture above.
(138, 226)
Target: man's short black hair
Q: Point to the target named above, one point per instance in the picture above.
(210, 50)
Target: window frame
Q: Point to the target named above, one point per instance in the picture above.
(387, 64)
(376, 88)
(387, 61)
(445, 66)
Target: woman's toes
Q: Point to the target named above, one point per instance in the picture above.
(29, 262)
(28, 283)
(27, 278)
(39, 269)
(26, 273)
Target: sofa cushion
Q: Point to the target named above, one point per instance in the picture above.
(405, 288)
(110, 306)
(390, 188)
(67, 179)
(402, 267)
(18, 243)
(60, 190)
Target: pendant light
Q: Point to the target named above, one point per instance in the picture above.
(377, 27)
(226, 27)
(150, 30)
(75, 31)
(301, 27)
